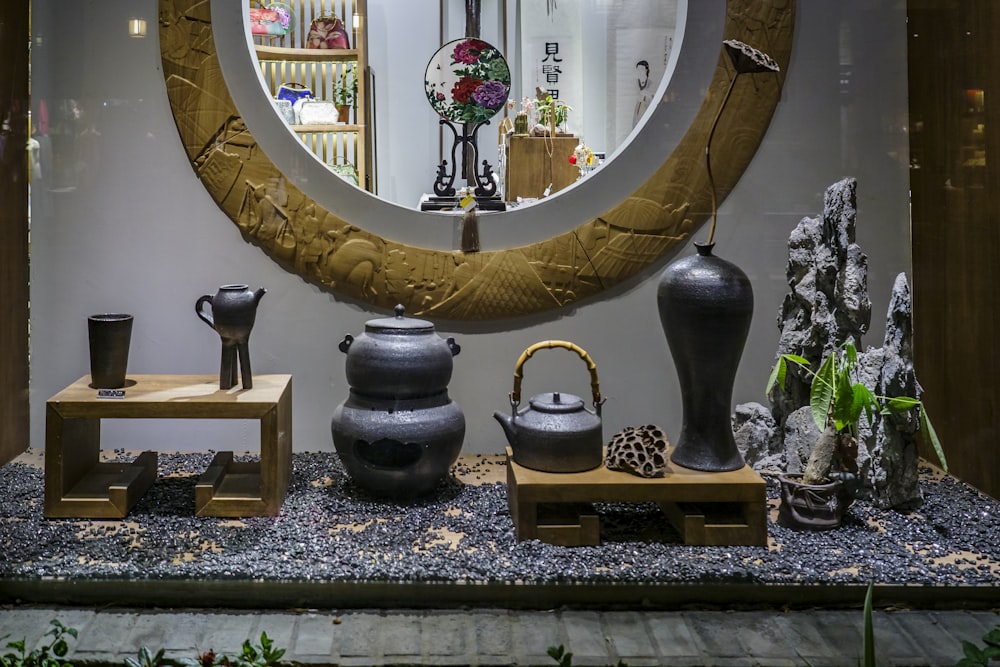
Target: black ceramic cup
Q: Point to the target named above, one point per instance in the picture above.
(110, 335)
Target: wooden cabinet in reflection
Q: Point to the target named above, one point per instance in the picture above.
(534, 164)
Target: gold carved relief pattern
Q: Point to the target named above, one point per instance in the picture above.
(340, 256)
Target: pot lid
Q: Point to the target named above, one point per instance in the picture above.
(399, 324)
(555, 401)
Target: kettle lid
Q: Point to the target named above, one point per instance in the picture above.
(556, 402)
(399, 324)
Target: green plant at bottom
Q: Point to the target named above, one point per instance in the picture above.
(48, 654)
(564, 658)
(257, 655)
(869, 637)
(147, 658)
(981, 657)
(263, 654)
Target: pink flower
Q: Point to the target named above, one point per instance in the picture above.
(468, 52)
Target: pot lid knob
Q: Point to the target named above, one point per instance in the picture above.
(399, 324)
(556, 402)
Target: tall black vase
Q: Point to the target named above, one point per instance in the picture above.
(706, 305)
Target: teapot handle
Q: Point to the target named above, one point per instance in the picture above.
(595, 385)
(205, 317)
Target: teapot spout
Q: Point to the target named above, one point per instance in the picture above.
(258, 294)
(507, 422)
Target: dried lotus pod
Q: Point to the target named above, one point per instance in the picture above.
(640, 450)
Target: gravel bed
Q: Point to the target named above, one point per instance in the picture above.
(330, 530)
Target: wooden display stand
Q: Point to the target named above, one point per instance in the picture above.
(77, 484)
(530, 168)
(706, 508)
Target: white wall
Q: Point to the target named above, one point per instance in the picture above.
(138, 233)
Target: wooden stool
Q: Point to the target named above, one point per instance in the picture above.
(706, 508)
(77, 484)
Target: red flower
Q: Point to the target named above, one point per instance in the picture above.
(572, 159)
(462, 91)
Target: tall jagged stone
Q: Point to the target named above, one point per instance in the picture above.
(888, 463)
(828, 303)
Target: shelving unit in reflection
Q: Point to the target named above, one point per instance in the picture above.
(345, 147)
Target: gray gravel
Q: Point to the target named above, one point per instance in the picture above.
(331, 530)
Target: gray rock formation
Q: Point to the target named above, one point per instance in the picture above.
(827, 306)
(888, 465)
(799, 435)
(757, 437)
(828, 303)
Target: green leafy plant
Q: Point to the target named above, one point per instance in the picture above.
(263, 654)
(562, 657)
(869, 636)
(48, 654)
(550, 108)
(837, 403)
(981, 657)
(345, 90)
(147, 658)
(257, 655)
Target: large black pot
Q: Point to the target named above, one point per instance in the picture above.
(398, 357)
(706, 305)
(398, 433)
(402, 452)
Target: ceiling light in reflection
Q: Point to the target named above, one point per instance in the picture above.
(137, 28)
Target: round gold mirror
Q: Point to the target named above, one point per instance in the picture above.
(361, 248)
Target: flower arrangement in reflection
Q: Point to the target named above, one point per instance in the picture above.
(477, 87)
(746, 60)
(583, 158)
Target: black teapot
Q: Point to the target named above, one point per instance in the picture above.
(555, 432)
(233, 311)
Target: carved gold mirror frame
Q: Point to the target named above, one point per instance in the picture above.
(344, 256)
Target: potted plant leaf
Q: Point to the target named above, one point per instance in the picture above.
(818, 498)
(552, 116)
(345, 93)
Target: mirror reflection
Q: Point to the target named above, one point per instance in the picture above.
(583, 74)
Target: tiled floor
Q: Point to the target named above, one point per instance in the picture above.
(505, 637)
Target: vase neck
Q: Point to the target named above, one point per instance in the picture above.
(704, 249)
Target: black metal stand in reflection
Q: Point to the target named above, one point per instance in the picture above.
(445, 196)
